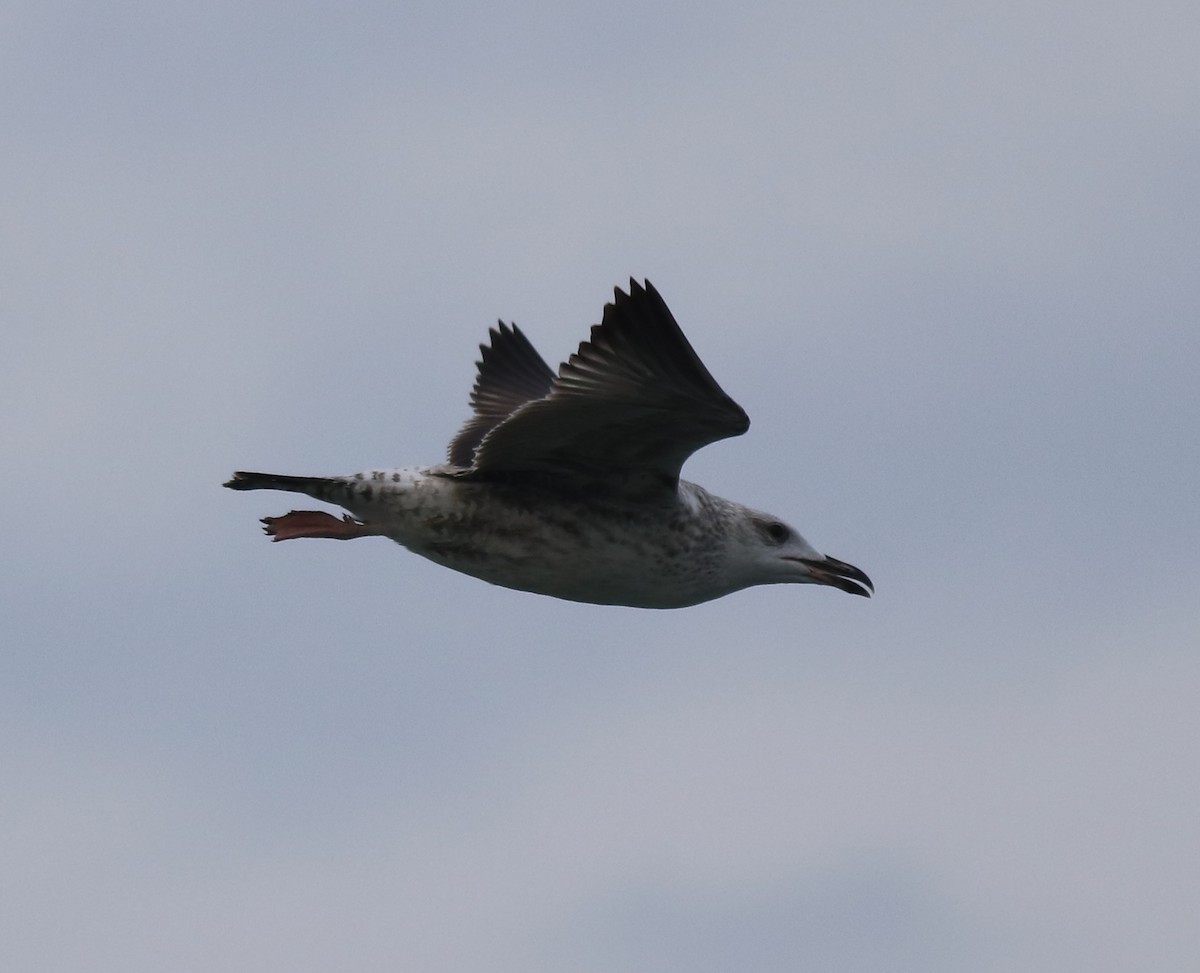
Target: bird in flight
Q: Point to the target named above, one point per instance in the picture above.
(568, 485)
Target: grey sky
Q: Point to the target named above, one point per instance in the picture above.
(945, 257)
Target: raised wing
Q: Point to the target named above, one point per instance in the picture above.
(511, 373)
(634, 402)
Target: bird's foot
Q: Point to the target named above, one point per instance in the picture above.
(313, 523)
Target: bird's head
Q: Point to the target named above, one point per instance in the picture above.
(770, 551)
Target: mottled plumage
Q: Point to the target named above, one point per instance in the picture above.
(568, 485)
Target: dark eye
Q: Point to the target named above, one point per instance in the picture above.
(776, 532)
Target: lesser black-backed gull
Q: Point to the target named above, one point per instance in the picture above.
(568, 485)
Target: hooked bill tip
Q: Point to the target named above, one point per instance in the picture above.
(840, 574)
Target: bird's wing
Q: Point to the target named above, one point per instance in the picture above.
(511, 373)
(634, 402)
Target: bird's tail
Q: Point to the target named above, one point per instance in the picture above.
(333, 489)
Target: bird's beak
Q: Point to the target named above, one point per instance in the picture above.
(831, 571)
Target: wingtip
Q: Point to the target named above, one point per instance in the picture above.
(499, 331)
(636, 287)
(639, 292)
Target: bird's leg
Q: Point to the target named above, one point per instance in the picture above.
(314, 523)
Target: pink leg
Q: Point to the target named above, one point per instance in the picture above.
(314, 523)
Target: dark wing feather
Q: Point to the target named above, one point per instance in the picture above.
(511, 373)
(634, 400)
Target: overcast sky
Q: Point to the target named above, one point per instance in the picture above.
(944, 254)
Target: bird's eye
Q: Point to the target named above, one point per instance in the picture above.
(776, 532)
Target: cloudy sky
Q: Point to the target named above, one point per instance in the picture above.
(944, 254)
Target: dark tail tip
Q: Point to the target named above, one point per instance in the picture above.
(245, 481)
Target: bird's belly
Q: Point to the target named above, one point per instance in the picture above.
(582, 576)
(590, 555)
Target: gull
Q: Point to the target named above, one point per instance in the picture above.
(568, 484)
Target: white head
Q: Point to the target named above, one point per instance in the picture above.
(762, 549)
